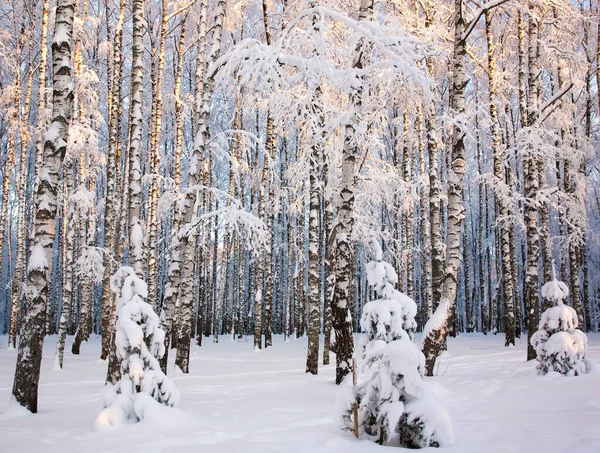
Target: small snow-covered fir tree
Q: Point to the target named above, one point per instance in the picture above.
(394, 406)
(139, 343)
(392, 316)
(559, 345)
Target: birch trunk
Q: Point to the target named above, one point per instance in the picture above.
(136, 231)
(329, 257)
(191, 204)
(20, 188)
(532, 302)
(314, 302)
(455, 181)
(344, 254)
(409, 215)
(4, 220)
(504, 228)
(111, 203)
(435, 187)
(27, 371)
(425, 224)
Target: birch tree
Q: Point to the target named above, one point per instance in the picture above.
(27, 372)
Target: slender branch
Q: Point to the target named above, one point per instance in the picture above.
(485, 8)
(180, 10)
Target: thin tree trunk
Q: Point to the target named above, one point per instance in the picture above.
(408, 218)
(532, 303)
(110, 217)
(344, 255)
(171, 294)
(136, 232)
(504, 228)
(425, 223)
(4, 220)
(192, 199)
(314, 302)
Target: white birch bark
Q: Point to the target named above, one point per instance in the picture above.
(188, 238)
(136, 228)
(344, 254)
(27, 371)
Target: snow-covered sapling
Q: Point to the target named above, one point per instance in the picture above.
(139, 344)
(560, 346)
(394, 405)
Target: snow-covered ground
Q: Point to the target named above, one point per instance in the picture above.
(238, 400)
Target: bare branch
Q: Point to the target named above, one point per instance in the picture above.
(485, 8)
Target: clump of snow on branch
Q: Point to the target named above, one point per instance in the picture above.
(559, 345)
(90, 264)
(394, 406)
(139, 344)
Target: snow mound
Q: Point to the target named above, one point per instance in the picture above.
(14, 410)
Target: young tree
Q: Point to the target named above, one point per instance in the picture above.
(559, 345)
(394, 407)
(139, 343)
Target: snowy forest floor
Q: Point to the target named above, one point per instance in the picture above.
(238, 400)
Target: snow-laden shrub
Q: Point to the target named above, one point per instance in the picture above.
(394, 405)
(560, 346)
(139, 344)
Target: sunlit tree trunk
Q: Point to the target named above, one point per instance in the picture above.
(110, 214)
(504, 228)
(9, 167)
(136, 118)
(344, 255)
(532, 302)
(433, 344)
(27, 371)
(314, 302)
(192, 199)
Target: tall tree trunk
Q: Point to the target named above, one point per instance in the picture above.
(192, 199)
(435, 185)
(329, 257)
(425, 222)
(344, 256)
(110, 214)
(532, 302)
(171, 294)
(21, 188)
(504, 228)
(314, 302)
(27, 371)
(4, 219)
(408, 217)
(455, 181)
(136, 232)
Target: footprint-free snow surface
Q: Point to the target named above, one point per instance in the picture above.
(238, 400)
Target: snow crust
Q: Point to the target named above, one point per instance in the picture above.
(236, 401)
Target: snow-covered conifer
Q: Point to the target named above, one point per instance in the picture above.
(394, 406)
(139, 344)
(559, 345)
(392, 317)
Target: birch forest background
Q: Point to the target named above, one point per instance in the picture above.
(248, 158)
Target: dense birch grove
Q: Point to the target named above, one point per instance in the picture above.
(248, 158)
